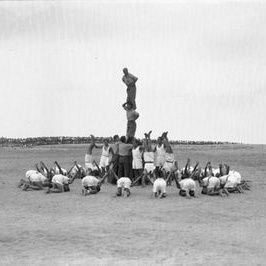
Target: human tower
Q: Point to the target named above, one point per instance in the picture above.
(128, 162)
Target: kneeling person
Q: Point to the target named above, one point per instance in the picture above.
(91, 185)
(123, 183)
(187, 187)
(60, 183)
(159, 188)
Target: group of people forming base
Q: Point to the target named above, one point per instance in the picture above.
(155, 165)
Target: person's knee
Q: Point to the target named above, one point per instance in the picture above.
(182, 193)
(119, 192)
(192, 193)
(127, 190)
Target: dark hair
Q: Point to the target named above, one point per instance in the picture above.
(115, 137)
(123, 139)
(158, 172)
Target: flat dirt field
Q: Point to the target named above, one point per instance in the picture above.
(68, 229)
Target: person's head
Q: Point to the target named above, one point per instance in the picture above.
(136, 143)
(123, 139)
(105, 142)
(115, 138)
(92, 138)
(95, 173)
(125, 70)
(160, 141)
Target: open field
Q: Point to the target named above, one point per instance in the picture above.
(67, 229)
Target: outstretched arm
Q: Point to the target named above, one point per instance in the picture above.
(187, 167)
(37, 168)
(102, 179)
(227, 167)
(59, 167)
(195, 169)
(206, 168)
(148, 135)
(43, 166)
(74, 165)
(97, 166)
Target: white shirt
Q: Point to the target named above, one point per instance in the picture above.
(89, 181)
(211, 182)
(30, 172)
(124, 182)
(160, 155)
(236, 175)
(234, 179)
(60, 179)
(223, 179)
(105, 151)
(137, 159)
(159, 185)
(35, 176)
(187, 184)
(148, 157)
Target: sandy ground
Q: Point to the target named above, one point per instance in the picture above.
(67, 229)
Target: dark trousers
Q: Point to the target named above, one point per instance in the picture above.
(114, 162)
(123, 166)
(131, 128)
(131, 95)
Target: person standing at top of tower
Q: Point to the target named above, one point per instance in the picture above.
(130, 80)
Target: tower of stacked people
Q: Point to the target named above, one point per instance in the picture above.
(130, 104)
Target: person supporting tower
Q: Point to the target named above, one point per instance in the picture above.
(132, 116)
(130, 80)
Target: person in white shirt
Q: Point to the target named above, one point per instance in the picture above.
(90, 184)
(233, 182)
(159, 185)
(148, 158)
(170, 164)
(35, 180)
(137, 155)
(88, 156)
(123, 185)
(211, 185)
(187, 187)
(160, 153)
(60, 183)
(106, 156)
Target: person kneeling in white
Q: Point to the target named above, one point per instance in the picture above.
(60, 183)
(123, 183)
(91, 185)
(159, 188)
(187, 187)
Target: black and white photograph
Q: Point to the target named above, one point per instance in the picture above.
(133, 132)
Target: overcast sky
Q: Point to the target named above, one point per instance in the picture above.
(201, 68)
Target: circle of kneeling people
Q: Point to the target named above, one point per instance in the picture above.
(213, 181)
